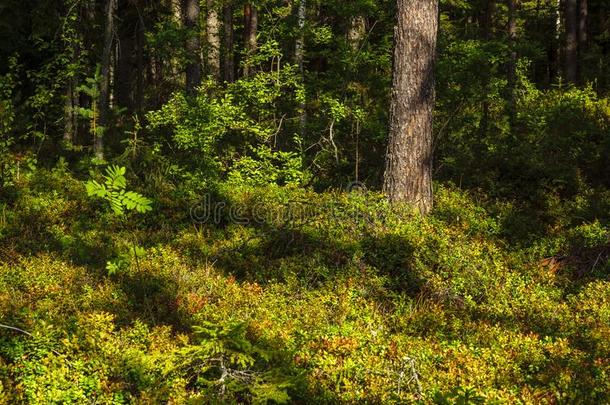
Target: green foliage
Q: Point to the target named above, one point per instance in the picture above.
(234, 131)
(113, 191)
(226, 361)
(91, 89)
(286, 294)
(349, 301)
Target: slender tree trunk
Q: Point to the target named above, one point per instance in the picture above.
(193, 46)
(583, 35)
(299, 56)
(250, 32)
(512, 64)
(70, 116)
(124, 70)
(104, 99)
(356, 31)
(408, 174)
(558, 44)
(228, 67)
(571, 58)
(72, 94)
(140, 67)
(487, 35)
(213, 39)
(299, 48)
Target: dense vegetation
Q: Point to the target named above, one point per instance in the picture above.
(192, 209)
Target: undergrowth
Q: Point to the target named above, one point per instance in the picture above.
(287, 295)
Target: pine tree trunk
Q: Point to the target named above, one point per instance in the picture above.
(487, 35)
(571, 58)
(193, 46)
(299, 56)
(299, 48)
(228, 67)
(70, 107)
(250, 32)
(512, 64)
(408, 174)
(140, 67)
(104, 99)
(124, 70)
(583, 35)
(213, 39)
(72, 101)
(558, 29)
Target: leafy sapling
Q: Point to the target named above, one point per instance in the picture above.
(113, 190)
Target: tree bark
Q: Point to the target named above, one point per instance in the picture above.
(140, 67)
(70, 107)
(213, 39)
(228, 67)
(356, 31)
(250, 31)
(124, 70)
(408, 173)
(583, 35)
(557, 65)
(299, 55)
(72, 100)
(104, 99)
(488, 17)
(512, 64)
(571, 54)
(299, 47)
(193, 46)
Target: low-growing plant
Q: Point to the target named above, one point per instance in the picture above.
(113, 190)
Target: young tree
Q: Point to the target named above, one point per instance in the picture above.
(408, 173)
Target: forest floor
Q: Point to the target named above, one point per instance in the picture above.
(291, 296)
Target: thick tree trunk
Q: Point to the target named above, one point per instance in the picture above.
(228, 58)
(583, 25)
(104, 99)
(571, 57)
(250, 32)
(213, 39)
(193, 46)
(408, 174)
